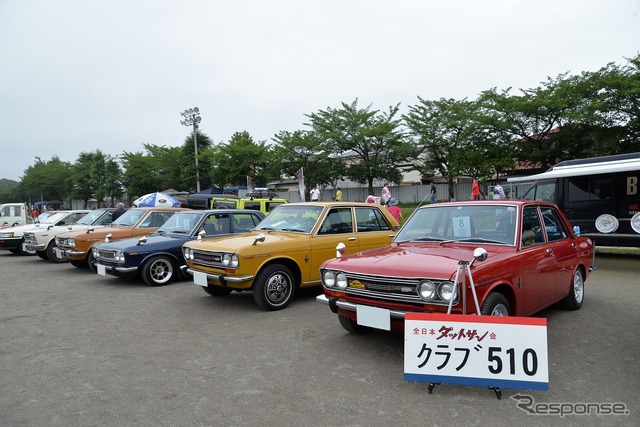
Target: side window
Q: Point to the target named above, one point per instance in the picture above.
(531, 230)
(107, 219)
(245, 222)
(271, 205)
(542, 191)
(553, 224)
(370, 219)
(155, 219)
(338, 221)
(254, 206)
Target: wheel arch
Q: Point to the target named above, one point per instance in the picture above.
(287, 262)
(507, 291)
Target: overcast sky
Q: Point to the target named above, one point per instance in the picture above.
(81, 75)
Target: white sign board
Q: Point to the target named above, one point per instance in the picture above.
(488, 351)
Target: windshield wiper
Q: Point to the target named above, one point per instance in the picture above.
(474, 240)
(265, 228)
(293, 229)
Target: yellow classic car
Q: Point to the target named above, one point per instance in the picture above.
(284, 252)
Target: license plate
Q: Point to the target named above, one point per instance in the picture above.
(374, 317)
(200, 279)
(101, 269)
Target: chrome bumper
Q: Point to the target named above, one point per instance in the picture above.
(335, 303)
(35, 247)
(223, 278)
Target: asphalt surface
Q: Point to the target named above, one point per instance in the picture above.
(78, 349)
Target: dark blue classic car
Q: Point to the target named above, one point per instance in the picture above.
(158, 256)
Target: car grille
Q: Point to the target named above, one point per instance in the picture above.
(208, 258)
(106, 255)
(30, 238)
(387, 288)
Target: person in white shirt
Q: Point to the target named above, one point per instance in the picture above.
(315, 194)
(498, 193)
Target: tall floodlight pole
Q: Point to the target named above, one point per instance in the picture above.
(192, 118)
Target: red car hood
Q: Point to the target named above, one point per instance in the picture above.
(417, 260)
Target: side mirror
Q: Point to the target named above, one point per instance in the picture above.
(259, 238)
(108, 237)
(479, 254)
(341, 248)
(201, 234)
(142, 240)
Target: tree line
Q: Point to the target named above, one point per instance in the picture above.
(570, 116)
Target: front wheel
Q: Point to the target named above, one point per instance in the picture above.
(22, 249)
(91, 262)
(158, 271)
(274, 287)
(42, 254)
(573, 301)
(351, 325)
(217, 291)
(51, 253)
(495, 305)
(78, 263)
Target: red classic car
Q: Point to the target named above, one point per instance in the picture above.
(517, 257)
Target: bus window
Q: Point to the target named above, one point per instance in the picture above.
(542, 191)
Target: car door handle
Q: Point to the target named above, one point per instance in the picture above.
(549, 251)
(351, 239)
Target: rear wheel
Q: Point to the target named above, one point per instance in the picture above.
(274, 287)
(495, 305)
(573, 301)
(351, 325)
(158, 271)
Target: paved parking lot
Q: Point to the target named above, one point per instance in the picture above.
(81, 349)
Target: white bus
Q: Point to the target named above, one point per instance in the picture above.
(599, 195)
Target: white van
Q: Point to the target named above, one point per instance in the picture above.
(13, 214)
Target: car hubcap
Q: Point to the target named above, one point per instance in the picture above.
(160, 272)
(278, 289)
(500, 310)
(578, 288)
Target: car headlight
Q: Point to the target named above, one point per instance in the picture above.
(119, 256)
(230, 260)
(234, 261)
(427, 290)
(329, 279)
(188, 253)
(446, 291)
(341, 281)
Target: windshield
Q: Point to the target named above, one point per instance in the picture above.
(52, 219)
(473, 223)
(181, 223)
(129, 218)
(91, 217)
(298, 218)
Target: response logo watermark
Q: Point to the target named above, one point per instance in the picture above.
(562, 409)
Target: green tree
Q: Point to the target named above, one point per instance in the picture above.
(454, 142)
(373, 139)
(47, 180)
(184, 163)
(303, 150)
(232, 162)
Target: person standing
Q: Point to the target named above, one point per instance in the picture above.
(394, 210)
(434, 194)
(314, 194)
(338, 194)
(498, 192)
(119, 211)
(385, 195)
(475, 190)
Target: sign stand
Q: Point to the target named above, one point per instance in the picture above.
(464, 268)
